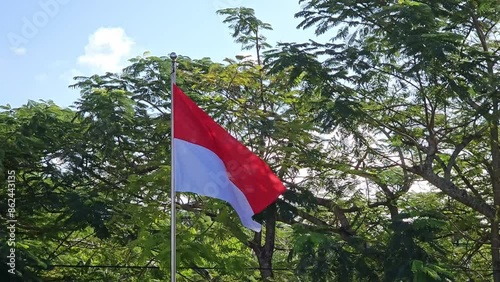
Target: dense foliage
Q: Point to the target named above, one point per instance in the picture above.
(386, 137)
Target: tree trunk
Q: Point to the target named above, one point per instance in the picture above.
(495, 180)
(265, 253)
(494, 147)
(266, 268)
(495, 247)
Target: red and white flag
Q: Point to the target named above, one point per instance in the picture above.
(208, 161)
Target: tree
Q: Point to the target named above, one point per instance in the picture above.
(414, 87)
(105, 202)
(404, 94)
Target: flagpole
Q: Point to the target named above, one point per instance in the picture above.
(173, 245)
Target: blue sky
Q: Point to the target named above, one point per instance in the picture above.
(47, 42)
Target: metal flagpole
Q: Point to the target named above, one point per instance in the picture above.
(173, 244)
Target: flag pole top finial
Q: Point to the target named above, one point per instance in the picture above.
(173, 56)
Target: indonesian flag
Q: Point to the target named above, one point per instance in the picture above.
(208, 161)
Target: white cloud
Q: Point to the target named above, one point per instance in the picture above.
(19, 50)
(107, 50)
